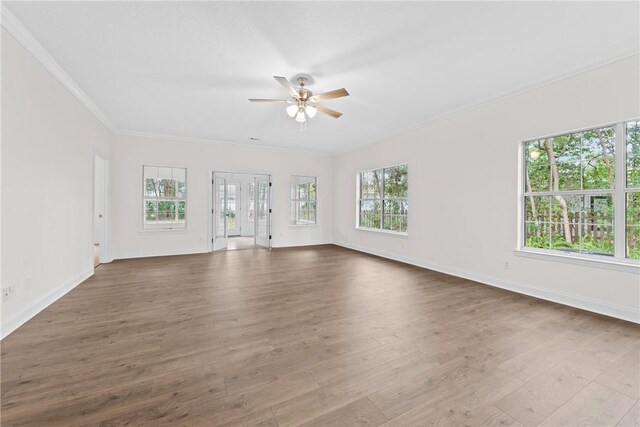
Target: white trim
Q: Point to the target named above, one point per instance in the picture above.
(381, 231)
(19, 319)
(620, 196)
(381, 199)
(14, 27)
(619, 260)
(161, 252)
(33, 46)
(382, 168)
(612, 310)
(300, 244)
(104, 245)
(297, 201)
(595, 261)
(582, 129)
(175, 199)
(193, 140)
(489, 101)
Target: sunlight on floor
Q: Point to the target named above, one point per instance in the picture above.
(240, 243)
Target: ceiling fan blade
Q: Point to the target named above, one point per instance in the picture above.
(288, 86)
(267, 100)
(328, 111)
(329, 95)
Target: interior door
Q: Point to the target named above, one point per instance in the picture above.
(262, 218)
(220, 214)
(234, 210)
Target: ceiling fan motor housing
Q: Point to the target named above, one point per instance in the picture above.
(304, 93)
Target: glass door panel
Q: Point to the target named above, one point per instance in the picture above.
(220, 213)
(233, 208)
(262, 211)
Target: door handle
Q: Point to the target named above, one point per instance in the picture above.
(100, 216)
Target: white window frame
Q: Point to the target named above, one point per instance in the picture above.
(295, 202)
(251, 202)
(617, 261)
(359, 199)
(176, 199)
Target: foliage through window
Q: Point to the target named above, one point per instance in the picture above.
(383, 199)
(165, 197)
(572, 187)
(303, 200)
(632, 193)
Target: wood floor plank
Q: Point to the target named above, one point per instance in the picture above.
(312, 405)
(320, 335)
(456, 405)
(624, 375)
(632, 418)
(336, 368)
(594, 405)
(539, 398)
(359, 413)
(492, 417)
(528, 365)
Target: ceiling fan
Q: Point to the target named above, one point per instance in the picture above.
(304, 102)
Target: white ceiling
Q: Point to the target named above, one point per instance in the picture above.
(187, 69)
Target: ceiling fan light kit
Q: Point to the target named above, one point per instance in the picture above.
(304, 103)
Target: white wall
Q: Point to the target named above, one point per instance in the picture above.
(463, 189)
(49, 139)
(48, 143)
(129, 153)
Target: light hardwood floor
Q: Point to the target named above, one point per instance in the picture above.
(315, 336)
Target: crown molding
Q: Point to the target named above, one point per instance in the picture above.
(174, 138)
(489, 101)
(14, 27)
(10, 23)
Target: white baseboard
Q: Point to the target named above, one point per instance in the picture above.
(295, 244)
(612, 310)
(19, 319)
(187, 251)
(162, 252)
(624, 313)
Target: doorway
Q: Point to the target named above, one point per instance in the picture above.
(99, 209)
(241, 214)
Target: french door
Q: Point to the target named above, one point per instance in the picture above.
(220, 233)
(227, 218)
(234, 208)
(263, 211)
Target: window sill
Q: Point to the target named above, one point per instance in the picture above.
(388, 232)
(595, 261)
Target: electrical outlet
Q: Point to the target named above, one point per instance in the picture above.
(27, 282)
(8, 292)
(506, 264)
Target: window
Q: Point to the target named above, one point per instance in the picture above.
(383, 199)
(303, 200)
(165, 197)
(632, 191)
(577, 190)
(252, 201)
